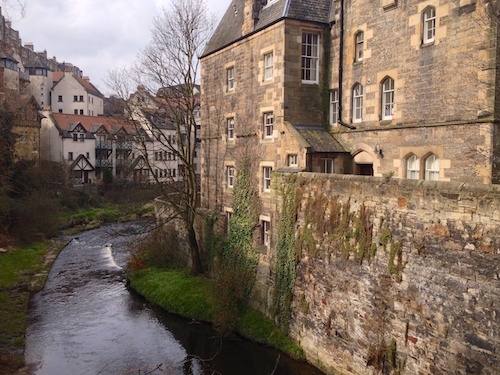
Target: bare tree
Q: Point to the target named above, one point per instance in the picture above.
(167, 75)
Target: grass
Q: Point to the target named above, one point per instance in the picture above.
(23, 271)
(192, 298)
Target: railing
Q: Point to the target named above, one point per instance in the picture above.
(106, 145)
(77, 181)
(104, 163)
(123, 146)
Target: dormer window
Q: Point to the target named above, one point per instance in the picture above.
(9, 64)
(268, 2)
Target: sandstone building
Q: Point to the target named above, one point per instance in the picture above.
(386, 88)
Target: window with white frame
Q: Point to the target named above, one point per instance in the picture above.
(432, 168)
(358, 46)
(293, 160)
(230, 176)
(334, 107)
(268, 66)
(230, 129)
(230, 78)
(357, 103)
(70, 155)
(327, 165)
(266, 178)
(387, 98)
(310, 57)
(266, 232)
(413, 168)
(429, 24)
(268, 124)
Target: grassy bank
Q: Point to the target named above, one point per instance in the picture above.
(23, 272)
(192, 297)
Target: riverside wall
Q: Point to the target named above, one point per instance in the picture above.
(409, 285)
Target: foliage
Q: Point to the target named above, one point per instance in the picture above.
(176, 292)
(157, 249)
(192, 297)
(285, 257)
(23, 271)
(237, 264)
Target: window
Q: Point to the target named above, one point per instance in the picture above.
(75, 98)
(81, 111)
(230, 129)
(357, 103)
(266, 232)
(230, 79)
(293, 160)
(156, 155)
(432, 168)
(81, 98)
(88, 155)
(266, 178)
(327, 165)
(429, 25)
(310, 57)
(413, 168)
(230, 176)
(75, 137)
(82, 137)
(387, 98)
(70, 156)
(59, 98)
(358, 46)
(75, 111)
(60, 110)
(334, 107)
(268, 66)
(267, 2)
(268, 124)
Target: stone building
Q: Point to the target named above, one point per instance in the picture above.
(401, 90)
(406, 90)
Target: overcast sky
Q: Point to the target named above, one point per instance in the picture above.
(95, 35)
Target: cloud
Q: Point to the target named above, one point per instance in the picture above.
(95, 35)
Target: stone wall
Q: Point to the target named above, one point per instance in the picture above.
(410, 284)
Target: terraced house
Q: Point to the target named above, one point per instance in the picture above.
(386, 88)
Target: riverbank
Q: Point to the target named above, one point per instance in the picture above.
(24, 271)
(193, 298)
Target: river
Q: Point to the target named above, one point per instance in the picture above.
(86, 321)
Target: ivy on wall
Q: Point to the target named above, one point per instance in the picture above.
(237, 263)
(285, 256)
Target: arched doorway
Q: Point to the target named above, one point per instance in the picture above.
(363, 164)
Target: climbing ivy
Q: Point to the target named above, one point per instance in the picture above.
(237, 266)
(285, 256)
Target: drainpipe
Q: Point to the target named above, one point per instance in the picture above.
(341, 60)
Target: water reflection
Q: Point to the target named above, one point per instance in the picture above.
(85, 321)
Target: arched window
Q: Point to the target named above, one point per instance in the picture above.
(357, 103)
(359, 39)
(413, 168)
(387, 98)
(432, 168)
(429, 25)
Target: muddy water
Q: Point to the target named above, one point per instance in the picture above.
(86, 321)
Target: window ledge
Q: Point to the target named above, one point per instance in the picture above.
(386, 122)
(427, 44)
(358, 62)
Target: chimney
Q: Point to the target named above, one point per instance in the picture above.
(250, 16)
(29, 45)
(86, 78)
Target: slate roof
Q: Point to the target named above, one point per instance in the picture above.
(318, 139)
(229, 29)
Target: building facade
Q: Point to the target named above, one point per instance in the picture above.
(401, 90)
